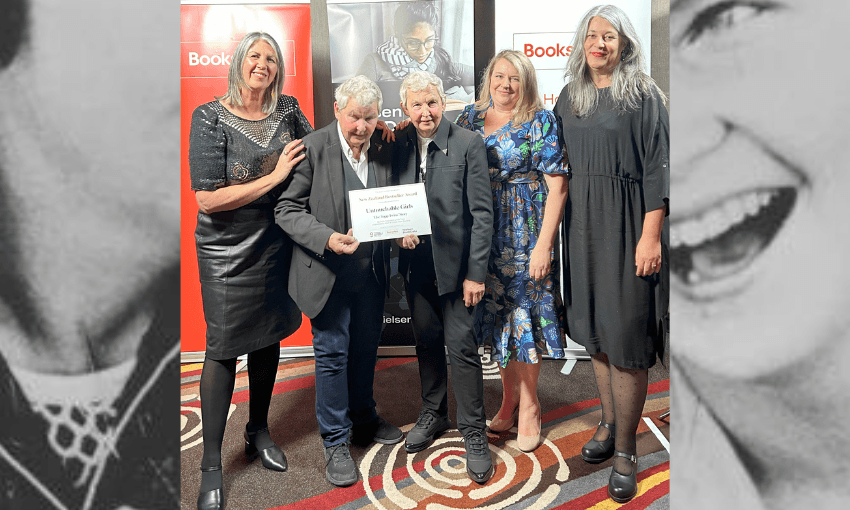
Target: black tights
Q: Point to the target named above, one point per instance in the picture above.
(217, 381)
(622, 393)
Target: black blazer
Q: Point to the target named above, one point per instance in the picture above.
(312, 207)
(460, 202)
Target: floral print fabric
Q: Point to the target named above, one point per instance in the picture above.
(520, 317)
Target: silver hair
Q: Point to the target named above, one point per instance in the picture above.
(629, 81)
(528, 103)
(236, 82)
(420, 80)
(361, 89)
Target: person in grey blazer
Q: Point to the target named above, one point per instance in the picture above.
(444, 272)
(339, 283)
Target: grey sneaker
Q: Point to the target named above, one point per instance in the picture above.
(428, 426)
(479, 465)
(379, 431)
(340, 469)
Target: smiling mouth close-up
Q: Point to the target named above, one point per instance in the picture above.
(714, 247)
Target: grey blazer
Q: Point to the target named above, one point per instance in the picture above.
(312, 207)
(460, 202)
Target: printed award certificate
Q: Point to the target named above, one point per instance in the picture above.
(389, 212)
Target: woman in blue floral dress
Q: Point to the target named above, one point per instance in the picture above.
(522, 312)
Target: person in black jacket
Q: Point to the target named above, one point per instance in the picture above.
(445, 271)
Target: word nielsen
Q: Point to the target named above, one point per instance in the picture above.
(549, 51)
(207, 60)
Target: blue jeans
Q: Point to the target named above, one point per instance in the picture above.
(346, 334)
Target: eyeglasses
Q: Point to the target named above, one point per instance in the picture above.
(415, 44)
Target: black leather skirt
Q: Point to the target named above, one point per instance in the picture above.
(243, 261)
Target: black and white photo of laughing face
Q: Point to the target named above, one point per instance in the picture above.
(89, 169)
(759, 172)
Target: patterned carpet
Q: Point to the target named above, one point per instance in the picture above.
(553, 476)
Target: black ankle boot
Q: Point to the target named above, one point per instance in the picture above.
(272, 457)
(211, 499)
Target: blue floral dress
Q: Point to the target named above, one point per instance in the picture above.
(522, 318)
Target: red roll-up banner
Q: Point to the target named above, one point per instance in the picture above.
(208, 36)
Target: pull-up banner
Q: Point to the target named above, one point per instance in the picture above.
(208, 36)
(544, 30)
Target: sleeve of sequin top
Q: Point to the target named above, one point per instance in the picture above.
(207, 150)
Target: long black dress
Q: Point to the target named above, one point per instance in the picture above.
(243, 256)
(619, 171)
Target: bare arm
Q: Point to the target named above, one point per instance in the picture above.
(541, 263)
(237, 195)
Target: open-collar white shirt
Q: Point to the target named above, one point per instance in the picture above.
(423, 153)
(360, 166)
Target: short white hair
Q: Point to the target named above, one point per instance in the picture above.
(420, 80)
(362, 89)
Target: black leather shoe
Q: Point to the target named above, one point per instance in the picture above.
(272, 457)
(212, 499)
(378, 431)
(340, 469)
(479, 465)
(622, 488)
(595, 451)
(428, 426)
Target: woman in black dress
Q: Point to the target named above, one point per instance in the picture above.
(616, 132)
(242, 147)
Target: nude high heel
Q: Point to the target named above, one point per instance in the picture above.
(498, 426)
(529, 443)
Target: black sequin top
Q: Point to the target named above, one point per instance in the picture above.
(222, 157)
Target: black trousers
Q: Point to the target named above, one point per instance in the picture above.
(441, 322)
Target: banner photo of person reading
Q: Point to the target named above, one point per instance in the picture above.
(385, 41)
(208, 36)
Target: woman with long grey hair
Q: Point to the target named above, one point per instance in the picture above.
(616, 132)
(243, 146)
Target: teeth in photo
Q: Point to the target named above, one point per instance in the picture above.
(715, 221)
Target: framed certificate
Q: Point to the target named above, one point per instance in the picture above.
(389, 212)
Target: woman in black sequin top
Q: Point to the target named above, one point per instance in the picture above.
(242, 147)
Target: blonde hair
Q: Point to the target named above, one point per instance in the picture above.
(528, 103)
